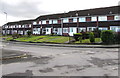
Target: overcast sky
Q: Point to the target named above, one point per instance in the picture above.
(30, 9)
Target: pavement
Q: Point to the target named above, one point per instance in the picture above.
(66, 45)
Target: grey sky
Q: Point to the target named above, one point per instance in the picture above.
(31, 9)
(22, 9)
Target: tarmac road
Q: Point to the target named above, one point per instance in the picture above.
(59, 61)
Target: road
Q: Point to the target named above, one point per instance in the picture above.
(60, 61)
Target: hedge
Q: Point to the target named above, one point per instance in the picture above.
(107, 36)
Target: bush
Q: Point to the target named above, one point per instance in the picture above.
(15, 35)
(80, 39)
(29, 33)
(97, 33)
(85, 35)
(91, 37)
(107, 36)
(117, 37)
(77, 35)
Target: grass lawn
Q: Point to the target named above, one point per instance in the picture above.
(51, 39)
(54, 39)
(97, 40)
(31, 38)
(45, 38)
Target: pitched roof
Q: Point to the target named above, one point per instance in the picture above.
(21, 22)
(95, 11)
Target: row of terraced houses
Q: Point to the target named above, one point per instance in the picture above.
(106, 18)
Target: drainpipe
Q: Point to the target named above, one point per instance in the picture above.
(97, 22)
(62, 25)
(77, 21)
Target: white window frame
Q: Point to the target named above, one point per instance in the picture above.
(65, 30)
(40, 22)
(102, 18)
(19, 26)
(103, 28)
(65, 20)
(50, 21)
(117, 17)
(82, 19)
(43, 21)
(116, 28)
(92, 28)
(94, 18)
(30, 25)
(83, 28)
(34, 23)
(74, 19)
(55, 21)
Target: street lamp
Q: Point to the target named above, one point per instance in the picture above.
(6, 16)
(6, 23)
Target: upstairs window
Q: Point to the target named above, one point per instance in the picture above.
(50, 21)
(65, 20)
(82, 19)
(94, 18)
(102, 18)
(30, 25)
(19, 26)
(55, 21)
(44, 22)
(23, 26)
(74, 19)
(39, 22)
(117, 17)
(34, 23)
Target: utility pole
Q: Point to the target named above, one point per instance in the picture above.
(6, 23)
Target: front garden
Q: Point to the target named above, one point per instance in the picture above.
(95, 37)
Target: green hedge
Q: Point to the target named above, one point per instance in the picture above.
(91, 37)
(85, 35)
(107, 36)
(117, 37)
(77, 35)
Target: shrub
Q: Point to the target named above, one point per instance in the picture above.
(29, 33)
(117, 37)
(77, 35)
(85, 35)
(97, 33)
(15, 35)
(91, 37)
(80, 39)
(107, 36)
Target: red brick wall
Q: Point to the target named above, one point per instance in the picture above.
(110, 17)
(59, 21)
(88, 18)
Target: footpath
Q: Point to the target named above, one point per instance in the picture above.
(66, 45)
